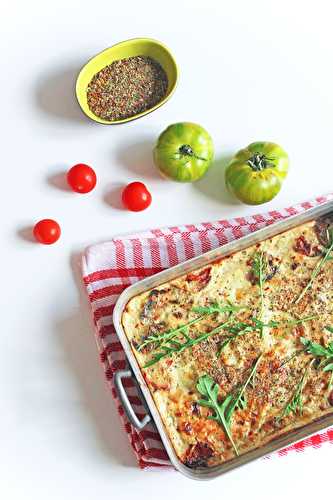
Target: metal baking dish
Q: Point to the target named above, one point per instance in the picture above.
(152, 412)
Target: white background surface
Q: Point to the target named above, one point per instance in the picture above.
(249, 71)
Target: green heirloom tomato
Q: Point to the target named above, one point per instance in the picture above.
(183, 152)
(255, 174)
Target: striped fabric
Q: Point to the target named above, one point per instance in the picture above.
(108, 268)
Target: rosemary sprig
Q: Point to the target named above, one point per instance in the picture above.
(174, 345)
(296, 403)
(318, 267)
(223, 412)
(323, 354)
(161, 338)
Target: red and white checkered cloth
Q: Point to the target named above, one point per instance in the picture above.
(108, 268)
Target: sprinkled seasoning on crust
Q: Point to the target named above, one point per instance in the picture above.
(271, 325)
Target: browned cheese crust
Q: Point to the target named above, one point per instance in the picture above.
(290, 258)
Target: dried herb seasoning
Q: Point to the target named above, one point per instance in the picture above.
(127, 87)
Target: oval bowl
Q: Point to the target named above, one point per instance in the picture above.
(129, 48)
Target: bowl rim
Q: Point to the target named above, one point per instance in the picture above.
(153, 41)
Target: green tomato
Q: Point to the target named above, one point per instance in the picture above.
(184, 152)
(255, 174)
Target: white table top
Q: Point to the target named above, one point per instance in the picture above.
(249, 71)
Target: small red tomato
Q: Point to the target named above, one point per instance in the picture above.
(81, 178)
(47, 231)
(136, 197)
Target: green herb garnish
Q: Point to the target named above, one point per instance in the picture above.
(259, 269)
(318, 267)
(215, 308)
(223, 411)
(296, 403)
(235, 331)
(161, 338)
(241, 328)
(323, 354)
(184, 341)
(178, 339)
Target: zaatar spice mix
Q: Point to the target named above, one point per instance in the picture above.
(127, 87)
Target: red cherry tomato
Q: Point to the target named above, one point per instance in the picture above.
(136, 197)
(81, 178)
(47, 231)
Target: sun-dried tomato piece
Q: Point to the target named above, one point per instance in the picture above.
(198, 455)
(186, 427)
(299, 331)
(201, 279)
(195, 408)
(270, 269)
(304, 247)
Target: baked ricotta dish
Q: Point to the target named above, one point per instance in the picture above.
(240, 351)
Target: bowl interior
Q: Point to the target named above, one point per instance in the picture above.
(129, 48)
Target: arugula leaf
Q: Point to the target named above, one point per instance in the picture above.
(175, 345)
(302, 320)
(329, 368)
(243, 328)
(325, 354)
(223, 412)
(317, 349)
(318, 267)
(259, 269)
(178, 339)
(239, 401)
(207, 388)
(237, 331)
(296, 403)
(214, 308)
(160, 338)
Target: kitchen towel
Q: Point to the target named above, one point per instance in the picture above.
(108, 268)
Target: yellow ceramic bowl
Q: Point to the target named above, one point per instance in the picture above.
(128, 48)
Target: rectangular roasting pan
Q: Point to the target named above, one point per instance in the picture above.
(135, 372)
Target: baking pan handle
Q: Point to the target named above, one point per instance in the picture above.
(138, 424)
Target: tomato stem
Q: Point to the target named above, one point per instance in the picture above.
(259, 162)
(186, 150)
